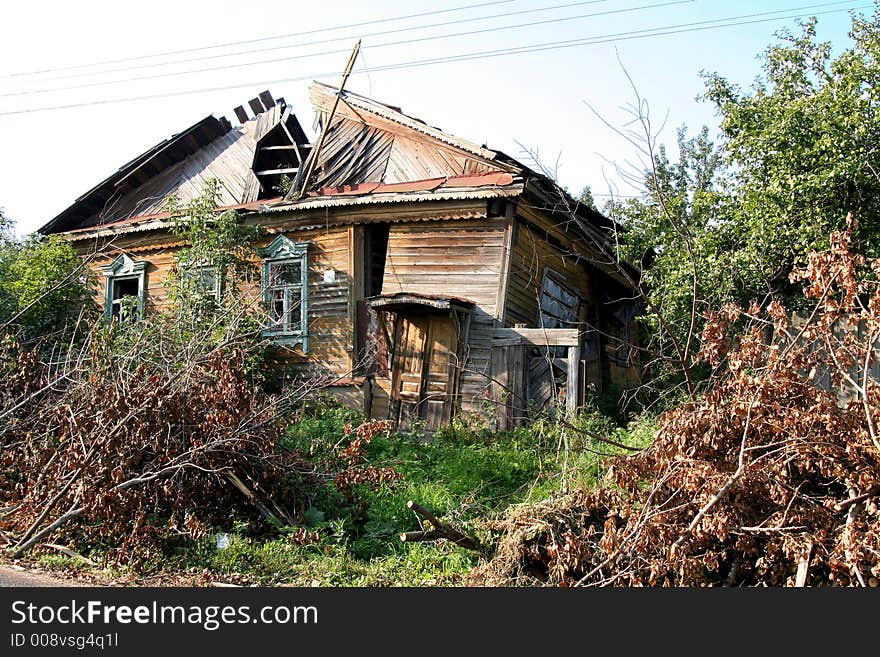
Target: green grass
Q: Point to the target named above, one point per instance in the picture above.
(466, 475)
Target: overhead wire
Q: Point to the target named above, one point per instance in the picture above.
(697, 26)
(257, 40)
(279, 60)
(411, 28)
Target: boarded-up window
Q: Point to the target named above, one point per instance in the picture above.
(559, 307)
(559, 304)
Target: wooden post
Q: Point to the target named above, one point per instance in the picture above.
(500, 387)
(572, 388)
(517, 377)
(317, 151)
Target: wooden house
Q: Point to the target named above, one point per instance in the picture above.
(420, 275)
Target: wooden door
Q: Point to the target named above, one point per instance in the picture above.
(440, 373)
(423, 370)
(408, 369)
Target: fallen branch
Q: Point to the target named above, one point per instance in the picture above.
(803, 568)
(840, 506)
(440, 530)
(68, 552)
(24, 547)
(263, 509)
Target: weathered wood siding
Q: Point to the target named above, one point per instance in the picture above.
(531, 254)
(160, 260)
(461, 259)
(331, 333)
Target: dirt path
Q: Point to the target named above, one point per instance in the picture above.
(10, 576)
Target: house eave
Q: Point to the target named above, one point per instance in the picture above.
(254, 210)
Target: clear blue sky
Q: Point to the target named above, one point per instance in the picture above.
(537, 100)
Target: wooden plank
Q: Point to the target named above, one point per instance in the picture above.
(572, 388)
(241, 114)
(536, 337)
(506, 257)
(500, 387)
(517, 369)
(267, 172)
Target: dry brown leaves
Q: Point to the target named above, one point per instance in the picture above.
(148, 454)
(751, 483)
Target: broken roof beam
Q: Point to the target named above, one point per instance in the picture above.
(256, 106)
(270, 172)
(241, 114)
(301, 184)
(266, 99)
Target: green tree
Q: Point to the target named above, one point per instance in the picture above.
(804, 146)
(43, 285)
(797, 153)
(586, 198)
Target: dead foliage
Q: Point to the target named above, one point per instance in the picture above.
(769, 478)
(134, 446)
(356, 470)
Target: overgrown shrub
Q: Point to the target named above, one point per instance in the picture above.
(766, 479)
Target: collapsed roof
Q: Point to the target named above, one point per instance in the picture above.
(371, 153)
(248, 159)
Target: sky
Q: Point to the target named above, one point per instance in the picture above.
(87, 86)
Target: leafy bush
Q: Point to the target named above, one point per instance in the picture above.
(769, 478)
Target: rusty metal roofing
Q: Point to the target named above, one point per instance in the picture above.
(161, 221)
(493, 179)
(375, 197)
(253, 205)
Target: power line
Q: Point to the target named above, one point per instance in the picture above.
(190, 60)
(488, 54)
(261, 39)
(278, 60)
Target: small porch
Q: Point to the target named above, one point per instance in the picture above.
(417, 343)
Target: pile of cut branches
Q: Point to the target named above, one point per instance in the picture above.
(771, 477)
(133, 442)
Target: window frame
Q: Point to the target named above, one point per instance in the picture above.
(196, 271)
(280, 251)
(121, 269)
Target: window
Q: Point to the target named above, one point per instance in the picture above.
(620, 346)
(559, 306)
(125, 289)
(204, 280)
(559, 303)
(285, 291)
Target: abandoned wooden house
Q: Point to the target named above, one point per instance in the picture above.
(419, 274)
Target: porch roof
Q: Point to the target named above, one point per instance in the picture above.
(401, 300)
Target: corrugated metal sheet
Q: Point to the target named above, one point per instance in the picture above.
(375, 197)
(160, 221)
(489, 179)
